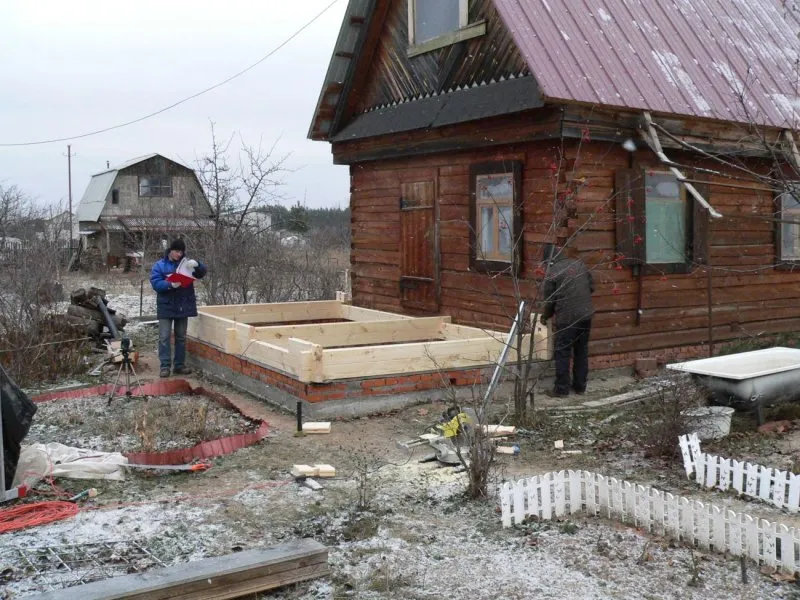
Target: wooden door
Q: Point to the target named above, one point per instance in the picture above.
(419, 247)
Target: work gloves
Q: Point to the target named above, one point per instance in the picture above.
(191, 263)
(175, 284)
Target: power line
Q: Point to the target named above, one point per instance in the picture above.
(179, 102)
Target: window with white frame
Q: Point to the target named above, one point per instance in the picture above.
(789, 238)
(429, 19)
(495, 215)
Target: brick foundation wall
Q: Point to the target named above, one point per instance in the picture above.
(662, 355)
(351, 388)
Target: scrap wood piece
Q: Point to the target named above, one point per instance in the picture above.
(221, 578)
(313, 471)
(319, 427)
(499, 430)
(514, 450)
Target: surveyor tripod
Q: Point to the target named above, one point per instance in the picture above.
(126, 366)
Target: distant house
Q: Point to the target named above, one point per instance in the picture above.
(257, 220)
(131, 208)
(57, 228)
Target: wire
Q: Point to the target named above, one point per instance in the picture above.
(179, 102)
(44, 344)
(36, 513)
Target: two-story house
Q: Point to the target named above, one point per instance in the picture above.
(131, 208)
(656, 140)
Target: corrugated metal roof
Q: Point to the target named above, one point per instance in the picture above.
(94, 198)
(684, 57)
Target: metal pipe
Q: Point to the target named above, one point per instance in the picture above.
(501, 361)
(112, 327)
(299, 416)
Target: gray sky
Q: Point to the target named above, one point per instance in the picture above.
(73, 67)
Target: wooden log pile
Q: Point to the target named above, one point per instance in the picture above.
(84, 314)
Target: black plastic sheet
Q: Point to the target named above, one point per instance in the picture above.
(17, 411)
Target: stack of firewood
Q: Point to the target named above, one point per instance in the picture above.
(84, 312)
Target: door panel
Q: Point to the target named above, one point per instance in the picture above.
(419, 277)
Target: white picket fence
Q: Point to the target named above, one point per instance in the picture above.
(780, 488)
(706, 526)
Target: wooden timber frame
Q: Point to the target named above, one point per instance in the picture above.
(324, 341)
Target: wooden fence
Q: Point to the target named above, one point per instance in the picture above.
(706, 526)
(780, 488)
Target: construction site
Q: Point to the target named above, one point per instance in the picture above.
(280, 469)
(502, 306)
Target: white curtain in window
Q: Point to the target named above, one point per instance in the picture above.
(665, 220)
(487, 230)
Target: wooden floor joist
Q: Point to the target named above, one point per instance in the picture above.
(221, 578)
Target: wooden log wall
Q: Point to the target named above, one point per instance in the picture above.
(394, 77)
(749, 296)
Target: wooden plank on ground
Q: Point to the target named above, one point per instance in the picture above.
(221, 578)
(318, 427)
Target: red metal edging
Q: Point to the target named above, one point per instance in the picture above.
(203, 450)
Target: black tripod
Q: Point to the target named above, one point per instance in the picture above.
(125, 366)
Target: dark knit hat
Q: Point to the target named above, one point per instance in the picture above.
(178, 244)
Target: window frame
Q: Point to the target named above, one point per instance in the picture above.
(631, 229)
(678, 266)
(494, 264)
(464, 31)
(783, 262)
(159, 187)
(115, 196)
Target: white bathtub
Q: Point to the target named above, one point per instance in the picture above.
(748, 379)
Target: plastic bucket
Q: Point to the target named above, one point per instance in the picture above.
(709, 422)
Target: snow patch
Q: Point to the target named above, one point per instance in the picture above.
(670, 65)
(603, 14)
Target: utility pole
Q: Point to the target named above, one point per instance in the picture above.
(69, 180)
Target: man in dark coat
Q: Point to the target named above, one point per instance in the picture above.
(176, 302)
(568, 288)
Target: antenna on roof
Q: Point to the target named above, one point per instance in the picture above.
(108, 164)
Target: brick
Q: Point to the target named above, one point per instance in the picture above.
(646, 367)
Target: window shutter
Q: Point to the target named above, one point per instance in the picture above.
(629, 216)
(701, 230)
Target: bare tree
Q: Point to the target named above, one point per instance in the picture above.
(234, 250)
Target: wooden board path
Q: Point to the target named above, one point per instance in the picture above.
(220, 578)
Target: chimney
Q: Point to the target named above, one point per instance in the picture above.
(108, 164)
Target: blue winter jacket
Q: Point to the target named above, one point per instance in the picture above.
(173, 303)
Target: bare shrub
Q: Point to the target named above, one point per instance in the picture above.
(35, 346)
(661, 416)
(366, 464)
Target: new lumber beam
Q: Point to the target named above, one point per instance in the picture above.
(220, 578)
(359, 333)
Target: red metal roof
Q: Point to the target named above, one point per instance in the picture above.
(685, 57)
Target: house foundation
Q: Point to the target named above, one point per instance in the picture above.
(341, 360)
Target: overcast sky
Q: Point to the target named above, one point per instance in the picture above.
(70, 67)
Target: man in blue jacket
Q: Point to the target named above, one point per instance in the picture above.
(176, 302)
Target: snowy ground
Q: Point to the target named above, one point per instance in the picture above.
(420, 541)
